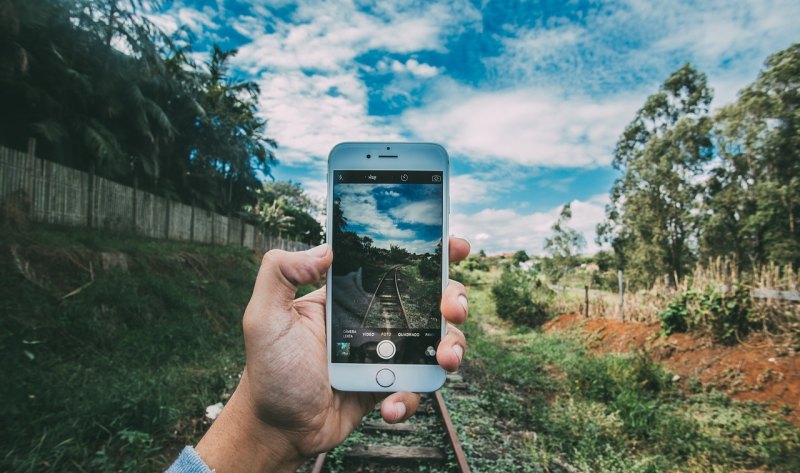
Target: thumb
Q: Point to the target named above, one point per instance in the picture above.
(281, 272)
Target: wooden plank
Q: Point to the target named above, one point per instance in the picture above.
(400, 429)
(394, 455)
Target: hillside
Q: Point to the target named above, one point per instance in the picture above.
(112, 347)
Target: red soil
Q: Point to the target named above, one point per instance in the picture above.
(755, 370)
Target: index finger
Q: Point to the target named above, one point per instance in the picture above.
(459, 249)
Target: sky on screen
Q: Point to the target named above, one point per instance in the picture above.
(529, 97)
(404, 215)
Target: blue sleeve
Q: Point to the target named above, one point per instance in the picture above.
(189, 462)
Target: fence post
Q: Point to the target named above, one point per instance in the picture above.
(135, 187)
(166, 220)
(621, 295)
(586, 301)
(191, 224)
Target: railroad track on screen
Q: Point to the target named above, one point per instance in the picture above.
(381, 449)
(386, 308)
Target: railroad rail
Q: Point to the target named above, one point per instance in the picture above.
(392, 457)
(386, 308)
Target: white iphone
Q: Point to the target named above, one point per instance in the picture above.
(387, 224)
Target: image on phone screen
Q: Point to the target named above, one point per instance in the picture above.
(387, 266)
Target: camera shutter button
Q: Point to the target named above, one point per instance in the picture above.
(386, 349)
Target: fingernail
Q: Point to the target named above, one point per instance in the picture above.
(318, 251)
(400, 410)
(462, 299)
(458, 351)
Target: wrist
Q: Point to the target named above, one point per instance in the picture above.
(238, 441)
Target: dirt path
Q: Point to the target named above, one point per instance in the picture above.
(756, 370)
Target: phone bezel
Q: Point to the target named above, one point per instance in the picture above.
(411, 157)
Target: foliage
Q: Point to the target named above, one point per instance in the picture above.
(608, 413)
(520, 257)
(102, 89)
(725, 316)
(649, 221)
(564, 245)
(752, 200)
(522, 298)
(120, 373)
(471, 270)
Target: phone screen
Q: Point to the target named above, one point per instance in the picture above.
(387, 266)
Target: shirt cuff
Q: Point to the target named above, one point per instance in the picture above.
(189, 462)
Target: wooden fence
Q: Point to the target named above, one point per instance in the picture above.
(52, 193)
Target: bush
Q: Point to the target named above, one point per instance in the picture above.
(521, 298)
(724, 316)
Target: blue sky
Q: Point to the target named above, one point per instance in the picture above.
(528, 97)
(404, 215)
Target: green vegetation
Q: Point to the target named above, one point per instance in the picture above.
(115, 377)
(564, 246)
(725, 316)
(698, 185)
(103, 90)
(548, 402)
(522, 298)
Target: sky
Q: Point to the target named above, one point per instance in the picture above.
(404, 215)
(528, 97)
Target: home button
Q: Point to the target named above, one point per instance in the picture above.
(385, 377)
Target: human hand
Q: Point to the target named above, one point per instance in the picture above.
(284, 409)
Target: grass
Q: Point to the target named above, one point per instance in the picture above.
(117, 376)
(607, 413)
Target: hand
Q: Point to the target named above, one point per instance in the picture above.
(284, 409)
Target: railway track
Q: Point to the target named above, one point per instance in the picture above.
(386, 309)
(428, 438)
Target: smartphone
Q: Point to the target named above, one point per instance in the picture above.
(387, 224)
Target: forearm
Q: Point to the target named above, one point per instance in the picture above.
(238, 442)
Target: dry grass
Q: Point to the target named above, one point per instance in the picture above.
(777, 317)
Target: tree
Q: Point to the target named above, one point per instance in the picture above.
(520, 257)
(651, 221)
(103, 90)
(300, 207)
(271, 216)
(564, 245)
(752, 201)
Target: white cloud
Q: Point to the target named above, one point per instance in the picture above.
(180, 15)
(312, 92)
(412, 67)
(359, 207)
(498, 230)
(307, 120)
(426, 212)
(527, 126)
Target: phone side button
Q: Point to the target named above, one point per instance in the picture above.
(385, 378)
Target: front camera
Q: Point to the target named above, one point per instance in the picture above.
(388, 148)
(369, 156)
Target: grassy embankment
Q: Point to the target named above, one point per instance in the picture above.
(115, 377)
(546, 401)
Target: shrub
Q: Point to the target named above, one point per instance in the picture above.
(724, 316)
(521, 298)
